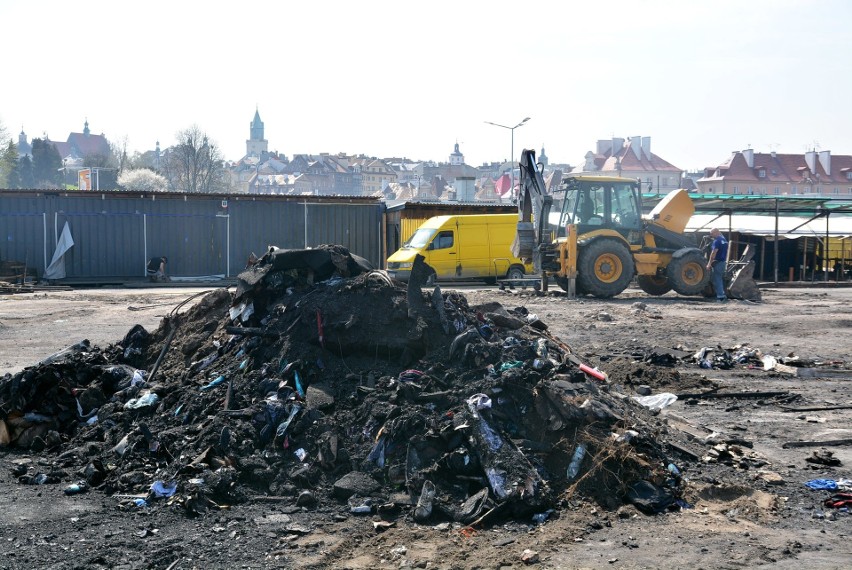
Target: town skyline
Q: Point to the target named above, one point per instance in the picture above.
(703, 78)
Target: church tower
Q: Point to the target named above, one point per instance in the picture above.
(256, 145)
(542, 158)
(456, 158)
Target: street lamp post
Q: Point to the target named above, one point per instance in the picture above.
(512, 152)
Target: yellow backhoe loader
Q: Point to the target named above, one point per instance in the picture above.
(592, 237)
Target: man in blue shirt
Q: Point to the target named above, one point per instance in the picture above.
(717, 262)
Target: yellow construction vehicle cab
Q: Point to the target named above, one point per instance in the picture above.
(592, 238)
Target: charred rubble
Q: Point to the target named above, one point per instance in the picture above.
(320, 381)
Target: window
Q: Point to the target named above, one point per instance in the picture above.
(761, 173)
(624, 211)
(849, 175)
(836, 190)
(749, 191)
(443, 240)
(777, 190)
(736, 189)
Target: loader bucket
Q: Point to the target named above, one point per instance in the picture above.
(743, 285)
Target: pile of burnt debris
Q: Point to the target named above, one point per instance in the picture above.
(322, 383)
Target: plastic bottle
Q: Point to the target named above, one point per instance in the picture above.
(574, 466)
(76, 488)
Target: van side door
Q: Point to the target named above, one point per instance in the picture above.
(442, 253)
(474, 250)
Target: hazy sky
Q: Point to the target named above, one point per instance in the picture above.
(410, 78)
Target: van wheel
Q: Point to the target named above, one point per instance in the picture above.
(604, 268)
(515, 272)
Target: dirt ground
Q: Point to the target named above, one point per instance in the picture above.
(754, 511)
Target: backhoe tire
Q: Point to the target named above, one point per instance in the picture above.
(654, 284)
(563, 283)
(687, 272)
(604, 268)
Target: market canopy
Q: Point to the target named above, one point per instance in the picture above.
(760, 204)
(790, 227)
(797, 216)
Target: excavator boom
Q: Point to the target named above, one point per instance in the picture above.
(533, 210)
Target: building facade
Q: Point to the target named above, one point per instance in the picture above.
(631, 158)
(775, 174)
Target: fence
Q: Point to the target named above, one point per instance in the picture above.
(116, 233)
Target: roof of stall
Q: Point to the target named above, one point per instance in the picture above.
(760, 204)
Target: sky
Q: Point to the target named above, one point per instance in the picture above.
(412, 78)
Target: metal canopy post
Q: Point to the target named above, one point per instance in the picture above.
(825, 259)
(775, 245)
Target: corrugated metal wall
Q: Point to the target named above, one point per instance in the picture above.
(115, 233)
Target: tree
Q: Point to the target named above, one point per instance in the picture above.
(142, 180)
(47, 164)
(9, 174)
(147, 159)
(194, 164)
(26, 171)
(118, 151)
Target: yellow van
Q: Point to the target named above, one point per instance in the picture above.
(463, 248)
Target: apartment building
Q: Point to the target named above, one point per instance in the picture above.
(775, 174)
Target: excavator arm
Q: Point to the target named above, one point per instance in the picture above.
(533, 211)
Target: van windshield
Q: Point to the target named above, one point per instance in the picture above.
(420, 239)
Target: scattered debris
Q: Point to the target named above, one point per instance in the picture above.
(789, 444)
(322, 383)
(824, 457)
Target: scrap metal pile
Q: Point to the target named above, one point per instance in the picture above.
(322, 382)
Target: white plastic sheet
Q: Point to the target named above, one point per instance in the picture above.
(56, 269)
(661, 400)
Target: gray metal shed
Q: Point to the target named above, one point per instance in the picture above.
(115, 233)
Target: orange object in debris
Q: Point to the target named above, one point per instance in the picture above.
(319, 329)
(593, 372)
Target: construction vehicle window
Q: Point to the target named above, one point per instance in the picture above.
(590, 205)
(443, 240)
(566, 208)
(623, 206)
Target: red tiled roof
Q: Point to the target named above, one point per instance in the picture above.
(629, 161)
(782, 168)
(86, 145)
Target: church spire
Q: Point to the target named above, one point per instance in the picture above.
(256, 145)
